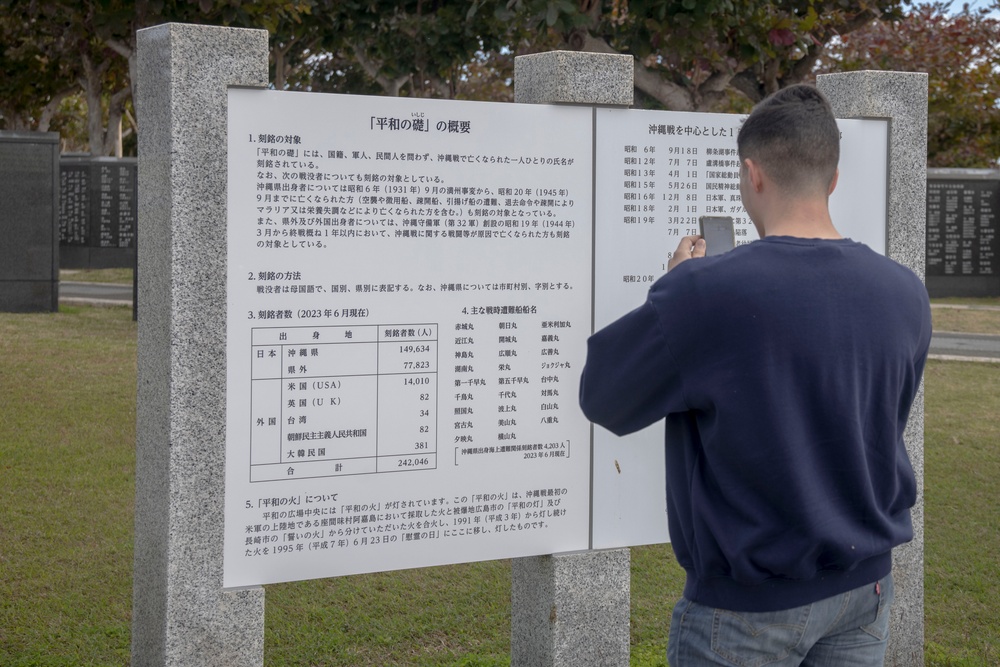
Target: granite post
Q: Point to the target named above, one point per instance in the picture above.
(572, 610)
(181, 614)
(902, 98)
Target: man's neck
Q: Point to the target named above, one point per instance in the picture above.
(803, 218)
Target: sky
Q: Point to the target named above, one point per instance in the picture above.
(974, 4)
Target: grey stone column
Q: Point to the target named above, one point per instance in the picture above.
(181, 614)
(902, 98)
(572, 610)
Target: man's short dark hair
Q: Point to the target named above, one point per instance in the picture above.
(793, 136)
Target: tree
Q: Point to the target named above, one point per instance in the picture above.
(34, 79)
(960, 54)
(690, 55)
(88, 47)
(701, 54)
(87, 65)
(417, 48)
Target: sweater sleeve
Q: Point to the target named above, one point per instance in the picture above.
(630, 379)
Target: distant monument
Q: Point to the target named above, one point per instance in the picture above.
(962, 240)
(29, 222)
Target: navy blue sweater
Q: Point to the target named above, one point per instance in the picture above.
(785, 371)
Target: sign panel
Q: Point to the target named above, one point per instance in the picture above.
(409, 289)
(962, 208)
(411, 284)
(657, 172)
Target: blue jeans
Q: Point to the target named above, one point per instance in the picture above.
(846, 630)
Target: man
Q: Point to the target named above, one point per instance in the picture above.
(785, 370)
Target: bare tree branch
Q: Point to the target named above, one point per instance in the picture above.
(50, 109)
(647, 80)
(390, 86)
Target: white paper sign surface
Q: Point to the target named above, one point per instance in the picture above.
(409, 297)
(656, 173)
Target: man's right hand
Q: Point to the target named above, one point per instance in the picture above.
(690, 247)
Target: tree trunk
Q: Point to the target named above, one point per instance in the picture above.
(15, 121)
(102, 139)
(116, 110)
(280, 54)
(50, 109)
(91, 84)
(667, 93)
(390, 86)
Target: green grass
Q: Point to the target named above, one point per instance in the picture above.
(962, 558)
(117, 276)
(67, 432)
(968, 315)
(966, 321)
(430, 616)
(990, 301)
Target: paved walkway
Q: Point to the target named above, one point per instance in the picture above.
(952, 346)
(963, 306)
(960, 346)
(98, 294)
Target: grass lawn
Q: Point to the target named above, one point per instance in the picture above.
(962, 523)
(67, 441)
(116, 276)
(67, 432)
(967, 318)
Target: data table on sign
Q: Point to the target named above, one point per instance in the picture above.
(329, 401)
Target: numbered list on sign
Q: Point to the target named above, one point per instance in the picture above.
(409, 298)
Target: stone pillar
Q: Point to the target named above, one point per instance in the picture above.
(574, 77)
(902, 98)
(181, 614)
(572, 610)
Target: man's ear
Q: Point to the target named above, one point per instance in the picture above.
(833, 182)
(755, 175)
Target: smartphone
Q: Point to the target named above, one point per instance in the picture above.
(718, 234)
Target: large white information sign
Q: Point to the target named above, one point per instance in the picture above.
(657, 172)
(409, 297)
(411, 284)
